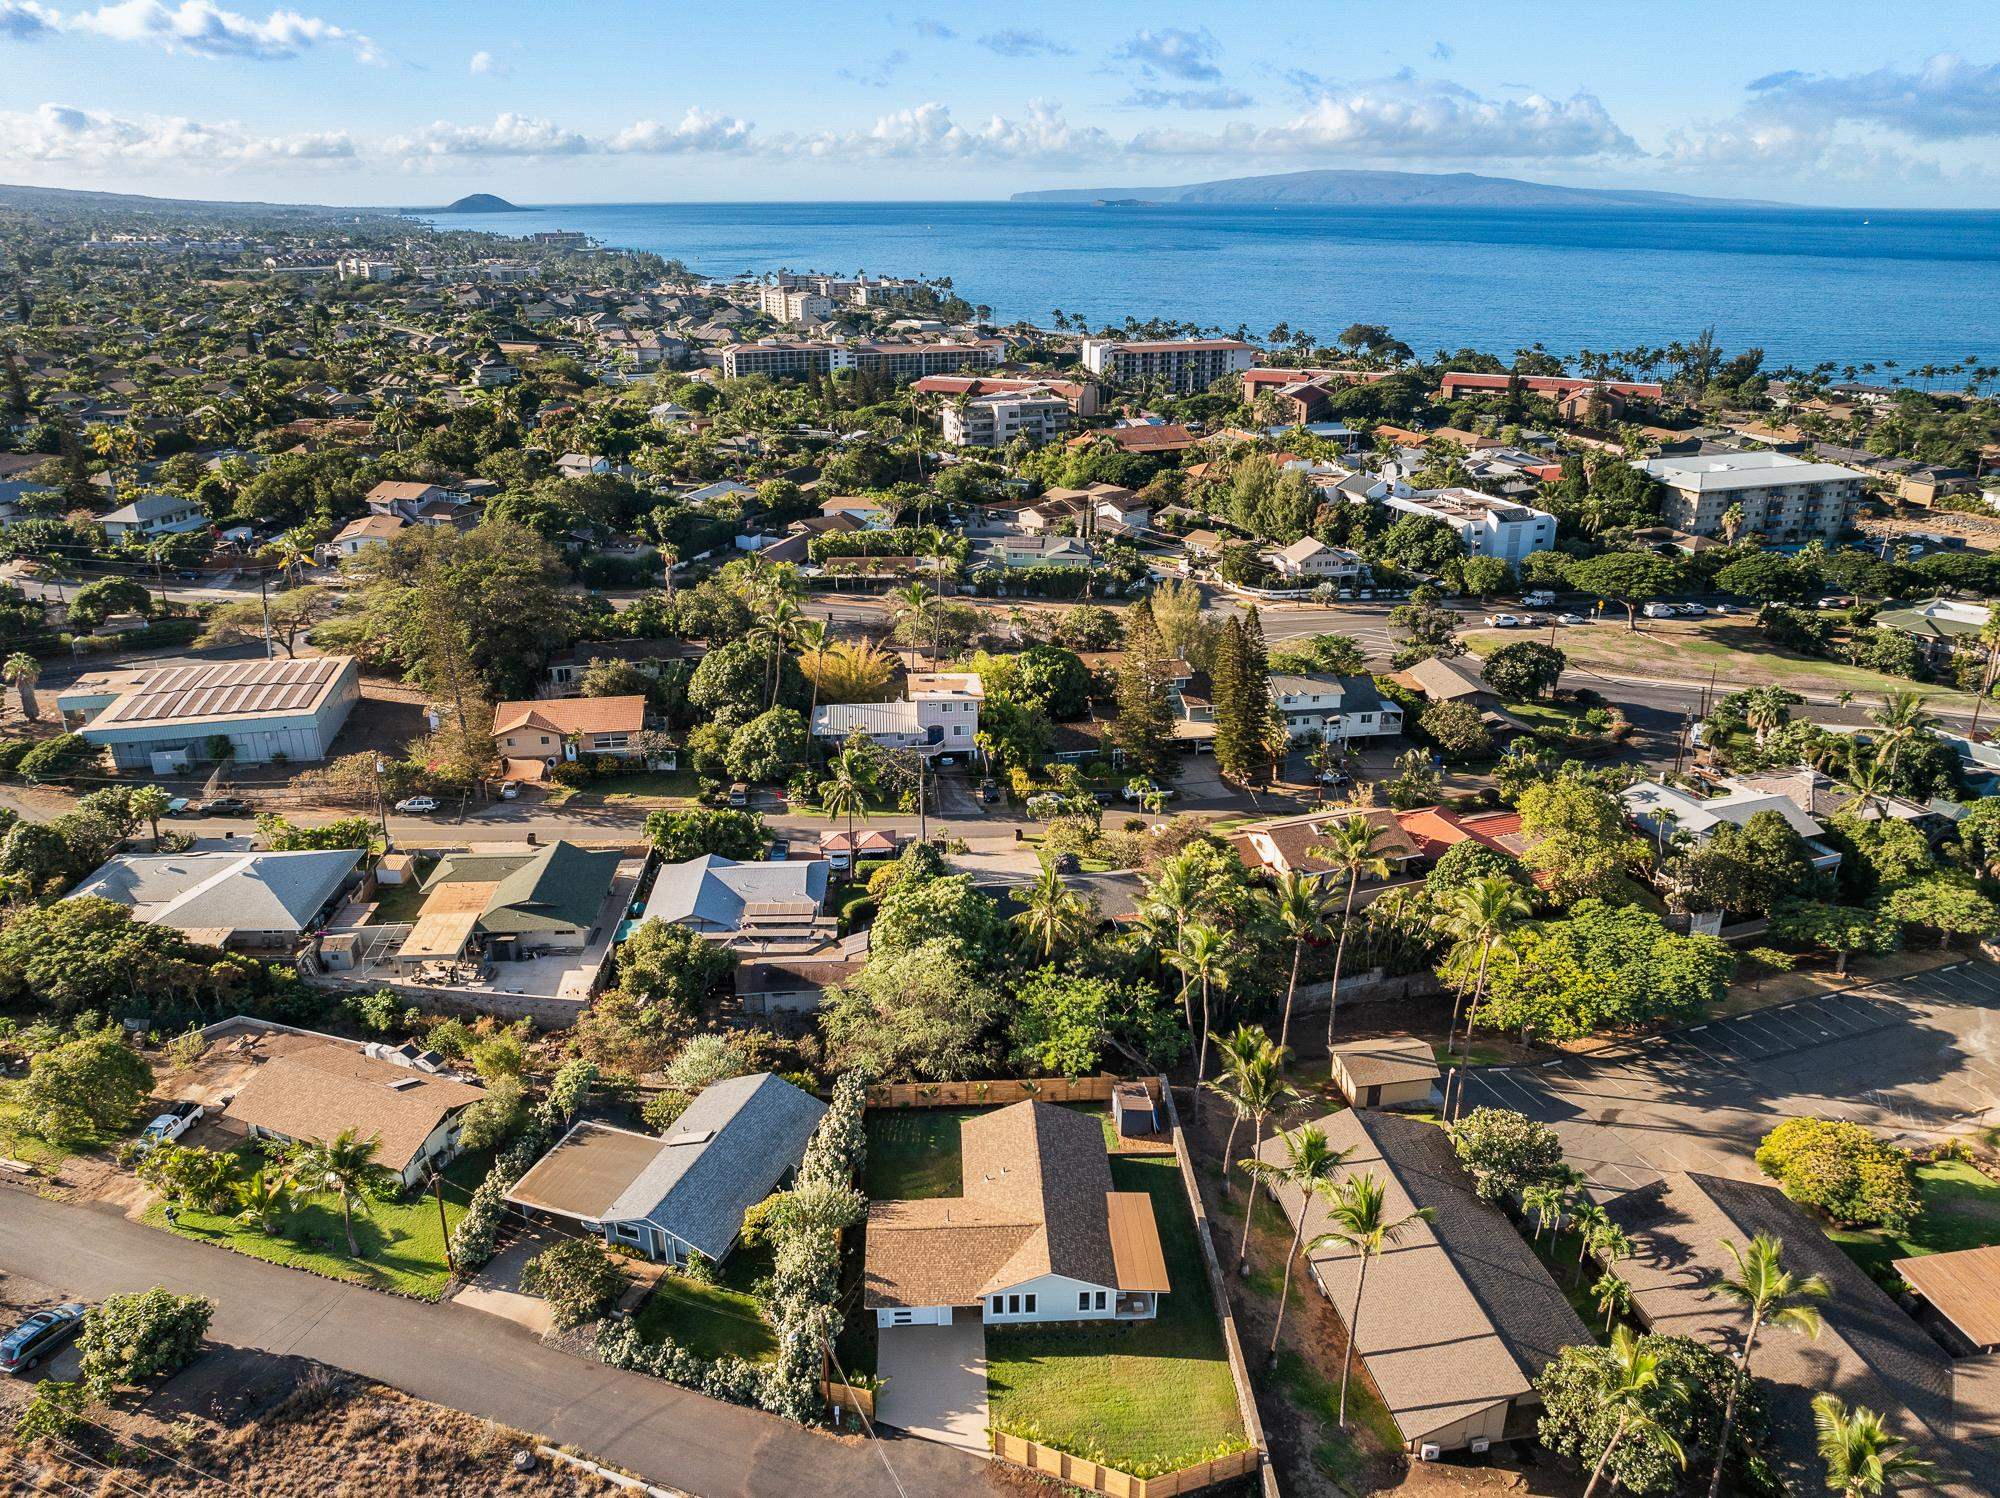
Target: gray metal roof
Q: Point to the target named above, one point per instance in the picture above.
(725, 1154)
(1708, 472)
(213, 891)
(713, 893)
(234, 689)
(839, 719)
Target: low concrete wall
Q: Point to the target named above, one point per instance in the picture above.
(998, 1091)
(545, 1013)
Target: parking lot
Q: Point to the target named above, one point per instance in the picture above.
(1916, 1060)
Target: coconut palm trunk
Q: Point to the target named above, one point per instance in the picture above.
(1339, 957)
(1463, 1059)
(1353, 1332)
(1250, 1206)
(1285, 1290)
(1597, 1472)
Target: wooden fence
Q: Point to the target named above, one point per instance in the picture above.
(1095, 1477)
(849, 1397)
(1000, 1090)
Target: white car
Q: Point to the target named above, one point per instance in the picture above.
(1660, 611)
(1501, 621)
(417, 806)
(1693, 610)
(510, 790)
(1569, 619)
(170, 1125)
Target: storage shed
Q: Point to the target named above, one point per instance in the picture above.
(1391, 1071)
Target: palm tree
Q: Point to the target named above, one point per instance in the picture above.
(1765, 711)
(341, 1167)
(1263, 1091)
(809, 637)
(1361, 1223)
(1637, 1385)
(1767, 1292)
(151, 803)
(1547, 1201)
(263, 1199)
(845, 792)
(1869, 777)
(1902, 718)
(24, 671)
(1304, 909)
(1479, 916)
(1308, 1168)
(1244, 1052)
(1862, 1457)
(290, 554)
(774, 630)
(1175, 897)
(917, 603)
(1586, 1218)
(1351, 850)
(1203, 955)
(1052, 913)
(1613, 1294)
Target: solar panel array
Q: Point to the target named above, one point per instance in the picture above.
(226, 690)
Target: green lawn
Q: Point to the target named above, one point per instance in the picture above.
(16, 1143)
(1961, 1210)
(398, 904)
(1144, 1396)
(1337, 1455)
(401, 1242)
(913, 1152)
(710, 1320)
(641, 787)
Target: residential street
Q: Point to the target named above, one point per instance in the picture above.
(474, 1362)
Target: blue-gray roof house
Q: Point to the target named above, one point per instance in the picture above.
(684, 1191)
(251, 900)
(762, 906)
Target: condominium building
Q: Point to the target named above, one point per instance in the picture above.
(794, 304)
(790, 356)
(1038, 414)
(1784, 499)
(1186, 364)
(1489, 527)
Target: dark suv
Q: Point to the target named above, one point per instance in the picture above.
(38, 1336)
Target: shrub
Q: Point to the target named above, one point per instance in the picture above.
(576, 1278)
(1842, 1170)
(1505, 1151)
(128, 1339)
(55, 1413)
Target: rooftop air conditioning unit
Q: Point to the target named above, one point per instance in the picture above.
(1430, 1451)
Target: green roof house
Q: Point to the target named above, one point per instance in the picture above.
(549, 899)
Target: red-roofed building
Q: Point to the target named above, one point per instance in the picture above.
(1081, 394)
(1458, 382)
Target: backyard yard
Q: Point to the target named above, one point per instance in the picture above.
(710, 1320)
(401, 1240)
(1961, 1210)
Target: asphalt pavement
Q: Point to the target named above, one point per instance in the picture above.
(469, 1360)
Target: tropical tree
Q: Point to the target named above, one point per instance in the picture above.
(23, 670)
(845, 790)
(263, 1199)
(1862, 1457)
(1262, 1092)
(1478, 916)
(1546, 1202)
(1902, 719)
(1308, 1167)
(1769, 1293)
(342, 1167)
(151, 802)
(774, 631)
(1613, 1293)
(918, 606)
(1360, 1222)
(1634, 1390)
(1203, 957)
(1305, 909)
(1352, 850)
(1052, 914)
(1173, 900)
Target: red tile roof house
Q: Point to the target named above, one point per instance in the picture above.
(533, 736)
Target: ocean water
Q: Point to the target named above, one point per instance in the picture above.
(1807, 285)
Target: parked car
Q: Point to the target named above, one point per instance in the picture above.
(224, 806)
(170, 1125)
(1835, 602)
(38, 1336)
(1139, 790)
(417, 806)
(1693, 610)
(781, 850)
(510, 790)
(1569, 619)
(989, 790)
(739, 794)
(1659, 611)
(181, 806)
(1501, 621)
(1720, 608)
(1540, 598)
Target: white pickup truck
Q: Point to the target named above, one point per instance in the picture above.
(1541, 598)
(170, 1125)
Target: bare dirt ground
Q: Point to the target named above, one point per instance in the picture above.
(239, 1421)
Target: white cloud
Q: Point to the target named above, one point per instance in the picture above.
(485, 65)
(928, 131)
(1406, 118)
(1173, 53)
(699, 130)
(204, 29)
(1190, 98)
(525, 135)
(1947, 98)
(89, 138)
(877, 73)
(26, 21)
(1023, 44)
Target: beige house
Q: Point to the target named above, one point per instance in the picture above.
(1391, 1071)
(547, 730)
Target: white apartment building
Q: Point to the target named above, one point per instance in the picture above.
(361, 268)
(1312, 561)
(794, 304)
(1784, 499)
(939, 716)
(1489, 527)
(785, 356)
(997, 419)
(1186, 364)
(1336, 707)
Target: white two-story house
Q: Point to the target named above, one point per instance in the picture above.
(1336, 707)
(939, 716)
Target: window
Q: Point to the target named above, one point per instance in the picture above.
(901, 1318)
(1030, 1307)
(1100, 1299)
(1083, 1300)
(628, 1231)
(999, 1305)
(1013, 1305)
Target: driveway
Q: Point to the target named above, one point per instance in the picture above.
(1917, 1060)
(935, 1382)
(472, 1361)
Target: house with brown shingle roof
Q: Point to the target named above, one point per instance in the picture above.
(315, 1092)
(555, 728)
(1037, 1235)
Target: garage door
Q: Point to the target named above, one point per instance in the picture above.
(916, 1316)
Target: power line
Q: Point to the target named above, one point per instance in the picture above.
(132, 1440)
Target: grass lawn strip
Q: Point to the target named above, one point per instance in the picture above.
(1961, 1210)
(1144, 1396)
(913, 1153)
(710, 1320)
(401, 1243)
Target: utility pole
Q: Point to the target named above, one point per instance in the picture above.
(381, 811)
(923, 820)
(264, 601)
(444, 1227)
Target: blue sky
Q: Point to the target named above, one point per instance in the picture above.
(358, 101)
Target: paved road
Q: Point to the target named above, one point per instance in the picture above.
(471, 1361)
(1918, 1058)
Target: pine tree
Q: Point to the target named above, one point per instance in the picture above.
(1144, 729)
(1237, 741)
(1253, 708)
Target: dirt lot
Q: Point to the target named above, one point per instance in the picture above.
(249, 1422)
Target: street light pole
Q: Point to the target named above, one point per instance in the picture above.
(444, 1227)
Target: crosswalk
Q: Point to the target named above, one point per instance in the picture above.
(1918, 1058)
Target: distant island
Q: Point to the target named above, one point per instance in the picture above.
(482, 202)
(1335, 187)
